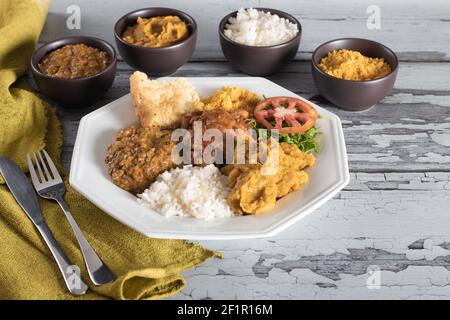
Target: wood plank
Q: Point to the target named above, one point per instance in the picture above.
(406, 25)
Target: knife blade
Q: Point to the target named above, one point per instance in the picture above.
(25, 196)
(21, 189)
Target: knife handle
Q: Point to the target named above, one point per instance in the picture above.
(73, 280)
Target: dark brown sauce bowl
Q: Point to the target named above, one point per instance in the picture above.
(78, 92)
(259, 61)
(156, 62)
(348, 94)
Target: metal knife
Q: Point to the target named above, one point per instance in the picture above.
(24, 194)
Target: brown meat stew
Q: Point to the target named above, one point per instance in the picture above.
(74, 61)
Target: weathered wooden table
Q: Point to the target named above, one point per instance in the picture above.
(393, 216)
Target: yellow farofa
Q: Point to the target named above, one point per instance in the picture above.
(352, 65)
(231, 99)
(255, 188)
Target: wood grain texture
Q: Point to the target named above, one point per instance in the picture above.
(417, 30)
(395, 211)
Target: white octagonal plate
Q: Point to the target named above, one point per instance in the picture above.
(97, 130)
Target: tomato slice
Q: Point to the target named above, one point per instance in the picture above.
(299, 115)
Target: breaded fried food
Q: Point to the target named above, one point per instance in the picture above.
(254, 192)
(231, 99)
(160, 103)
(138, 156)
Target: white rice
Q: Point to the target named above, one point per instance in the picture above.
(258, 28)
(198, 192)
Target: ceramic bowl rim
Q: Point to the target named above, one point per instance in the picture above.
(44, 49)
(280, 13)
(393, 71)
(175, 45)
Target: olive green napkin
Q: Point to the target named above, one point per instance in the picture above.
(146, 268)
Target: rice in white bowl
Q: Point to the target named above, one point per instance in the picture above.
(258, 28)
(198, 192)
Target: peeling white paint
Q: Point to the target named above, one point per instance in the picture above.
(385, 140)
(442, 127)
(412, 120)
(434, 157)
(374, 157)
(443, 101)
(365, 220)
(441, 138)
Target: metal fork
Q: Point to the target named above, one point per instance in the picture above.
(49, 185)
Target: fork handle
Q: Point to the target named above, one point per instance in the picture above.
(73, 281)
(98, 271)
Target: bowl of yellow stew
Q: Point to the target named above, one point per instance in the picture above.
(156, 40)
(354, 74)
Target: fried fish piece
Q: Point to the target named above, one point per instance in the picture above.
(138, 156)
(254, 192)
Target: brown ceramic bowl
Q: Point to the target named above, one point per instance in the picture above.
(259, 61)
(354, 95)
(79, 92)
(156, 61)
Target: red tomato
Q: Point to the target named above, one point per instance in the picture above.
(299, 115)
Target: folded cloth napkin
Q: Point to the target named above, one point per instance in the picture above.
(146, 268)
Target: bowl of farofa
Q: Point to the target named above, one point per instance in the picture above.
(156, 41)
(354, 74)
(74, 71)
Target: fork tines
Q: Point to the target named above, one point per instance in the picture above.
(47, 174)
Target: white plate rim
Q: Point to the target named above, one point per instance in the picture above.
(344, 178)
